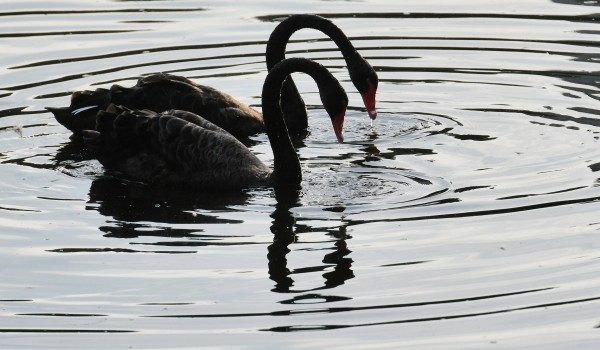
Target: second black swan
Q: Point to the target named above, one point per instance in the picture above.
(159, 92)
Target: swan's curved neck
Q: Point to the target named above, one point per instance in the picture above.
(287, 170)
(282, 33)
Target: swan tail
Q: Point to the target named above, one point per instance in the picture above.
(81, 113)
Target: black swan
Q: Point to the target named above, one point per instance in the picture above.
(160, 92)
(179, 149)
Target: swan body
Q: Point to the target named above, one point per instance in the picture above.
(181, 149)
(173, 149)
(160, 92)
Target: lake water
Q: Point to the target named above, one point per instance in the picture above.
(466, 218)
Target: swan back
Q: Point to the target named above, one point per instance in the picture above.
(160, 92)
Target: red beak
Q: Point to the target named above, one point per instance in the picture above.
(338, 126)
(369, 100)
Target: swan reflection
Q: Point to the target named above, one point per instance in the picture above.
(285, 230)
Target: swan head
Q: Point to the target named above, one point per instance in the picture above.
(335, 102)
(365, 80)
(338, 125)
(369, 99)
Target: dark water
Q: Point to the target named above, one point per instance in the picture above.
(467, 217)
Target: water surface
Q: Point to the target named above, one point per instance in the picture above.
(465, 218)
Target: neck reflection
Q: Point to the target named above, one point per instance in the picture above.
(285, 229)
